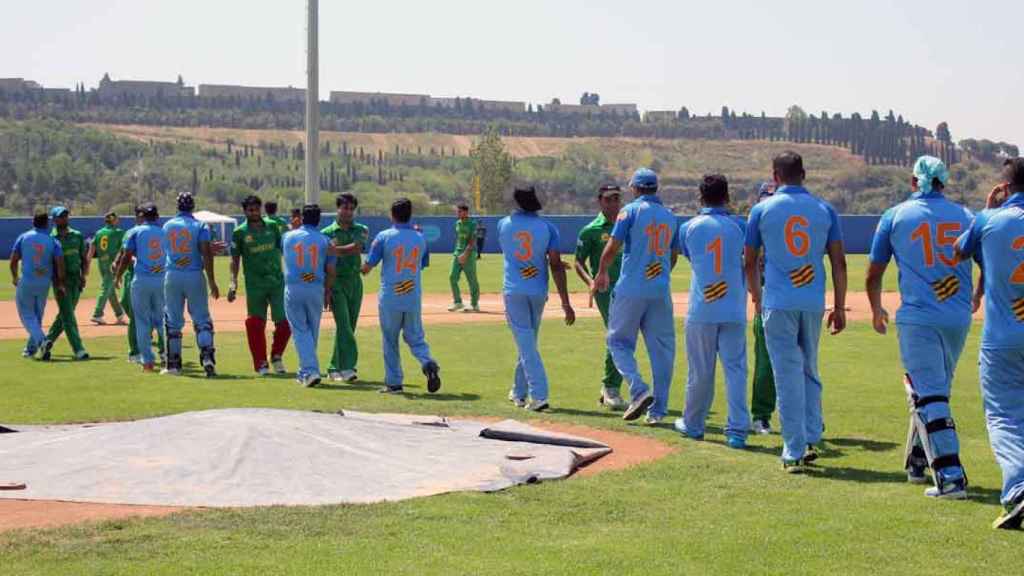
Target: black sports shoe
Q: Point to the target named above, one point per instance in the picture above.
(391, 390)
(208, 361)
(47, 350)
(432, 371)
(811, 454)
(1013, 517)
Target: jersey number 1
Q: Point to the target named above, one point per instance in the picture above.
(945, 235)
(300, 255)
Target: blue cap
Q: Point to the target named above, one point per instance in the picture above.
(644, 178)
(58, 211)
(767, 189)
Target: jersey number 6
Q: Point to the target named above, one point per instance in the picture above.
(798, 241)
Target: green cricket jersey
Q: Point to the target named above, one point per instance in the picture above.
(281, 222)
(591, 242)
(108, 242)
(465, 234)
(348, 266)
(73, 245)
(260, 250)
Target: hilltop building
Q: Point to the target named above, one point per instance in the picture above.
(398, 100)
(659, 116)
(111, 91)
(593, 109)
(275, 94)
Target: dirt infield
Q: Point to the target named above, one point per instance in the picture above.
(231, 317)
(628, 450)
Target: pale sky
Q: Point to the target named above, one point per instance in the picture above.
(930, 61)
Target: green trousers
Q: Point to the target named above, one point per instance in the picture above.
(762, 402)
(107, 293)
(66, 321)
(126, 305)
(348, 300)
(612, 379)
(470, 269)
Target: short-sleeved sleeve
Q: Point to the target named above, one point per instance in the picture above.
(881, 243)
(16, 249)
(969, 243)
(753, 236)
(204, 232)
(555, 239)
(236, 241)
(623, 224)
(680, 243)
(331, 258)
(835, 232)
(581, 245)
(376, 250)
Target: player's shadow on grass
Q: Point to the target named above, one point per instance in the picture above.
(71, 359)
(862, 443)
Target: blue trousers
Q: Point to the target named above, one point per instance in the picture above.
(31, 304)
(410, 324)
(705, 343)
(181, 288)
(523, 314)
(148, 312)
(1002, 391)
(303, 306)
(930, 354)
(792, 339)
(651, 317)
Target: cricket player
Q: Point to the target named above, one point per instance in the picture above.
(147, 243)
(400, 250)
(997, 237)
(189, 254)
(125, 287)
(464, 260)
(530, 245)
(716, 323)
(933, 320)
(348, 238)
(642, 297)
(76, 271)
(309, 275)
(296, 219)
(590, 244)
(256, 245)
(271, 209)
(762, 401)
(796, 230)
(41, 261)
(105, 246)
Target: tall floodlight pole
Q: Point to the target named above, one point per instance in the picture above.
(312, 103)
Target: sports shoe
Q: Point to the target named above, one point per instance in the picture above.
(278, 365)
(811, 454)
(638, 406)
(955, 490)
(148, 368)
(121, 320)
(517, 401)
(311, 380)
(456, 307)
(46, 351)
(471, 309)
(652, 420)
(334, 376)
(612, 399)
(794, 466)
(163, 358)
(135, 359)
(81, 355)
(1012, 517)
(26, 353)
(917, 475)
(761, 427)
(98, 320)
(537, 405)
(431, 371)
(263, 371)
(209, 362)
(171, 371)
(392, 390)
(735, 442)
(680, 427)
(348, 376)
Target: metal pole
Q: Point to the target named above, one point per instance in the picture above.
(312, 103)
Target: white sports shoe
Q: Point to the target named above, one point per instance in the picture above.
(455, 307)
(652, 420)
(311, 380)
(612, 400)
(263, 371)
(334, 376)
(171, 372)
(136, 359)
(349, 376)
(761, 427)
(278, 365)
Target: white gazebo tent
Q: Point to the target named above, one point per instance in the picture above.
(217, 222)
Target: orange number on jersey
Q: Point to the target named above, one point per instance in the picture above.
(411, 263)
(1018, 273)
(715, 247)
(37, 254)
(946, 236)
(659, 236)
(300, 255)
(180, 239)
(156, 252)
(793, 234)
(525, 250)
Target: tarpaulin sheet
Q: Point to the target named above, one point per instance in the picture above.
(262, 457)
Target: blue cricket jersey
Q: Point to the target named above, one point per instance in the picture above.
(647, 231)
(713, 243)
(997, 236)
(37, 249)
(148, 242)
(306, 257)
(935, 290)
(401, 251)
(525, 239)
(795, 228)
(184, 235)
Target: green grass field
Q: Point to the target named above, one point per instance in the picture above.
(704, 509)
(435, 277)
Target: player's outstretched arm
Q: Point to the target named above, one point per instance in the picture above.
(837, 259)
(211, 278)
(329, 287)
(233, 285)
(602, 280)
(123, 258)
(15, 259)
(753, 272)
(873, 286)
(58, 266)
(580, 266)
(562, 284)
(979, 292)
